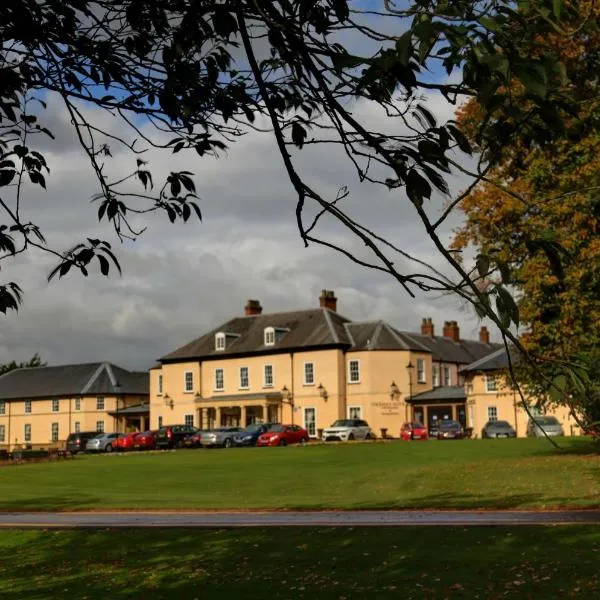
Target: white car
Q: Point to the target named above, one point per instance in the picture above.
(344, 430)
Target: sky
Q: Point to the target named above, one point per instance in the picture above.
(179, 281)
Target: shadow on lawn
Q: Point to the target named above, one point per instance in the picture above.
(77, 501)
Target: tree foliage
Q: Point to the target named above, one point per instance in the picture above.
(34, 361)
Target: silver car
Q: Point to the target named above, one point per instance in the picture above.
(344, 430)
(544, 425)
(103, 442)
(219, 437)
(498, 429)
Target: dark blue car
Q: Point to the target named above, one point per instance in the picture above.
(248, 436)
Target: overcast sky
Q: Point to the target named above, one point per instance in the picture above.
(181, 280)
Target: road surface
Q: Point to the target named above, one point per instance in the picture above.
(295, 518)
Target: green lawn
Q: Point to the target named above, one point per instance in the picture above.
(523, 473)
(316, 564)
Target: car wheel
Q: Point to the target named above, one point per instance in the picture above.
(228, 443)
(351, 437)
(368, 436)
(304, 441)
(108, 448)
(282, 443)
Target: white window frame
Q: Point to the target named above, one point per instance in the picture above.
(222, 386)
(242, 386)
(220, 341)
(354, 408)
(435, 375)
(356, 362)
(27, 432)
(266, 382)
(421, 371)
(189, 417)
(160, 385)
(27, 408)
(2, 433)
(447, 371)
(77, 427)
(54, 432)
(100, 402)
(269, 336)
(304, 378)
(77, 403)
(304, 420)
(2, 407)
(188, 389)
(492, 412)
(99, 426)
(55, 406)
(489, 379)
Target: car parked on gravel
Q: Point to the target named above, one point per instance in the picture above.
(173, 436)
(249, 435)
(498, 429)
(102, 442)
(345, 430)
(283, 435)
(413, 431)
(219, 438)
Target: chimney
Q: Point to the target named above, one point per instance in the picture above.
(427, 327)
(484, 335)
(252, 307)
(451, 330)
(328, 300)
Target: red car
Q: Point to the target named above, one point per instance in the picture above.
(124, 441)
(282, 435)
(413, 431)
(146, 440)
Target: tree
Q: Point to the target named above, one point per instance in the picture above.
(203, 72)
(544, 233)
(34, 361)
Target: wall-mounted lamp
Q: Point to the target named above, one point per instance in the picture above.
(394, 391)
(198, 397)
(322, 392)
(287, 395)
(168, 401)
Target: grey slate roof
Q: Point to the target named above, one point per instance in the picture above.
(496, 361)
(71, 380)
(307, 329)
(447, 350)
(137, 409)
(450, 392)
(378, 335)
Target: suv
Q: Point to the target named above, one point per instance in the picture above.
(344, 430)
(76, 442)
(172, 436)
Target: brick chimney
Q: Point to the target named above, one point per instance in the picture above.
(427, 327)
(252, 307)
(484, 335)
(328, 300)
(451, 330)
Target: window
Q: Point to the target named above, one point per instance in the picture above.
(55, 405)
(100, 403)
(2, 407)
(219, 379)
(54, 432)
(27, 406)
(27, 432)
(355, 412)
(244, 381)
(354, 371)
(188, 383)
(491, 385)
(77, 426)
(189, 420)
(309, 373)
(219, 341)
(492, 413)
(2, 433)
(160, 422)
(268, 375)
(269, 336)
(160, 384)
(100, 426)
(77, 403)
(310, 421)
(435, 374)
(421, 370)
(447, 376)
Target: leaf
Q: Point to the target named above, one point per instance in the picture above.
(6, 176)
(557, 6)
(417, 187)
(508, 304)
(298, 134)
(483, 265)
(104, 266)
(533, 76)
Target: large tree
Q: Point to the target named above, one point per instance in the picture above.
(203, 72)
(34, 361)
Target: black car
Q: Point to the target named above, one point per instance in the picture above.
(450, 430)
(173, 436)
(249, 436)
(76, 442)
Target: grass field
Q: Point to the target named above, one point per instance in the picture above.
(522, 473)
(320, 564)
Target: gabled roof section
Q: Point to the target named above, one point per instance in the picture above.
(378, 335)
(448, 351)
(307, 329)
(496, 361)
(72, 380)
(449, 392)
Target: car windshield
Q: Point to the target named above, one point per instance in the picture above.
(252, 428)
(500, 425)
(343, 423)
(277, 428)
(416, 425)
(99, 436)
(450, 424)
(547, 421)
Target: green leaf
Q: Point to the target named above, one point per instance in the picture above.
(557, 6)
(483, 265)
(509, 306)
(417, 187)
(533, 76)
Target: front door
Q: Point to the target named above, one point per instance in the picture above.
(310, 421)
(437, 414)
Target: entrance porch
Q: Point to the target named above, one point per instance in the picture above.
(132, 418)
(439, 404)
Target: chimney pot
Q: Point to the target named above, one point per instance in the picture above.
(484, 335)
(427, 326)
(252, 307)
(328, 300)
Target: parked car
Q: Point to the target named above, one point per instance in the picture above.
(192, 440)
(450, 430)
(544, 423)
(76, 442)
(124, 441)
(146, 440)
(101, 442)
(413, 431)
(223, 436)
(249, 435)
(344, 430)
(172, 436)
(282, 435)
(498, 429)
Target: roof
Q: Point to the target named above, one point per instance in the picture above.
(256, 396)
(304, 329)
(378, 335)
(496, 361)
(447, 350)
(450, 392)
(137, 409)
(72, 380)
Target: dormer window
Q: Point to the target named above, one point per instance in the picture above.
(220, 341)
(269, 336)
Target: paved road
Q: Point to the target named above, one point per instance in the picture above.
(294, 518)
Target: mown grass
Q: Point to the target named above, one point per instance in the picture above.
(522, 473)
(317, 564)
